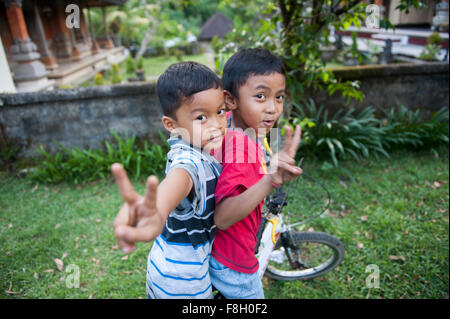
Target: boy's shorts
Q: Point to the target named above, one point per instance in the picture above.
(233, 284)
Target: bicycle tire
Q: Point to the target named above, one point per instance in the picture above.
(299, 238)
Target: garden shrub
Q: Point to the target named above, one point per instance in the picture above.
(99, 79)
(405, 127)
(341, 135)
(76, 165)
(363, 134)
(116, 78)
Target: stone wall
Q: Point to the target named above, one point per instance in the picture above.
(84, 116)
(81, 117)
(417, 86)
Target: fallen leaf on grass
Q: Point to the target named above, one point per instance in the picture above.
(124, 257)
(11, 292)
(360, 245)
(330, 214)
(368, 235)
(59, 264)
(49, 270)
(436, 185)
(392, 257)
(364, 218)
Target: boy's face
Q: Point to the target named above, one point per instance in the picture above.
(260, 102)
(200, 121)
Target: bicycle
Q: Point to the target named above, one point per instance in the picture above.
(287, 254)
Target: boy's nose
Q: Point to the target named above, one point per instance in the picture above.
(270, 107)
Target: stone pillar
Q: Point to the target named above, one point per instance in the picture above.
(46, 55)
(29, 73)
(108, 43)
(61, 40)
(75, 55)
(95, 48)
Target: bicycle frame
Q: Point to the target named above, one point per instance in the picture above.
(272, 230)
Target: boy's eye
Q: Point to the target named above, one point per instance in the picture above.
(260, 96)
(201, 118)
(280, 97)
(221, 112)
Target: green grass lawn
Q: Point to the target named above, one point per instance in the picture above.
(155, 66)
(394, 215)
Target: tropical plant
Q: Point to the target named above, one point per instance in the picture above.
(115, 74)
(432, 49)
(411, 128)
(346, 133)
(99, 79)
(74, 165)
(130, 65)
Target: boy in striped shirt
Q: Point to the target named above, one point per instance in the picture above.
(178, 213)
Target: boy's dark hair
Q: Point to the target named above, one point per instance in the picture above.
(182, 80)
(248, 62)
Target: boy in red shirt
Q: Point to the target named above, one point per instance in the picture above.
(254, 88)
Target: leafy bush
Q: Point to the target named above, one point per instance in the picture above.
(432, 48)
(99, 79)
(8, 154)
(115, 74)
(361, 135)
(404, 127)
(130, 65)
(341, 135)
(76, 165)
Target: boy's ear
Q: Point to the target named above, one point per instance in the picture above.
(169, 123)
(230, 100)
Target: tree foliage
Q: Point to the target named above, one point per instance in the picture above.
(297, 31)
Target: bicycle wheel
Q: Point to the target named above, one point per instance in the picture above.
(304, 255)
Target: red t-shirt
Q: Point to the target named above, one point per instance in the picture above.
(241, 160)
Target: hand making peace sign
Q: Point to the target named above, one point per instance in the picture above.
(282, 164)
(138, 219)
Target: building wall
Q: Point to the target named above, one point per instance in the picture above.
(83, 117)
(415, 16)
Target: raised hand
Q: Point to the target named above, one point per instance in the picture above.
(282, 164)
(138, 219)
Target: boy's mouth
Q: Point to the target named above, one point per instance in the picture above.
(268, 123)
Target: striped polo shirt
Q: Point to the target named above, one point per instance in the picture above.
(179, 259)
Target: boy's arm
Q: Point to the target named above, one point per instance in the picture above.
(143, 218)
(233, 209)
